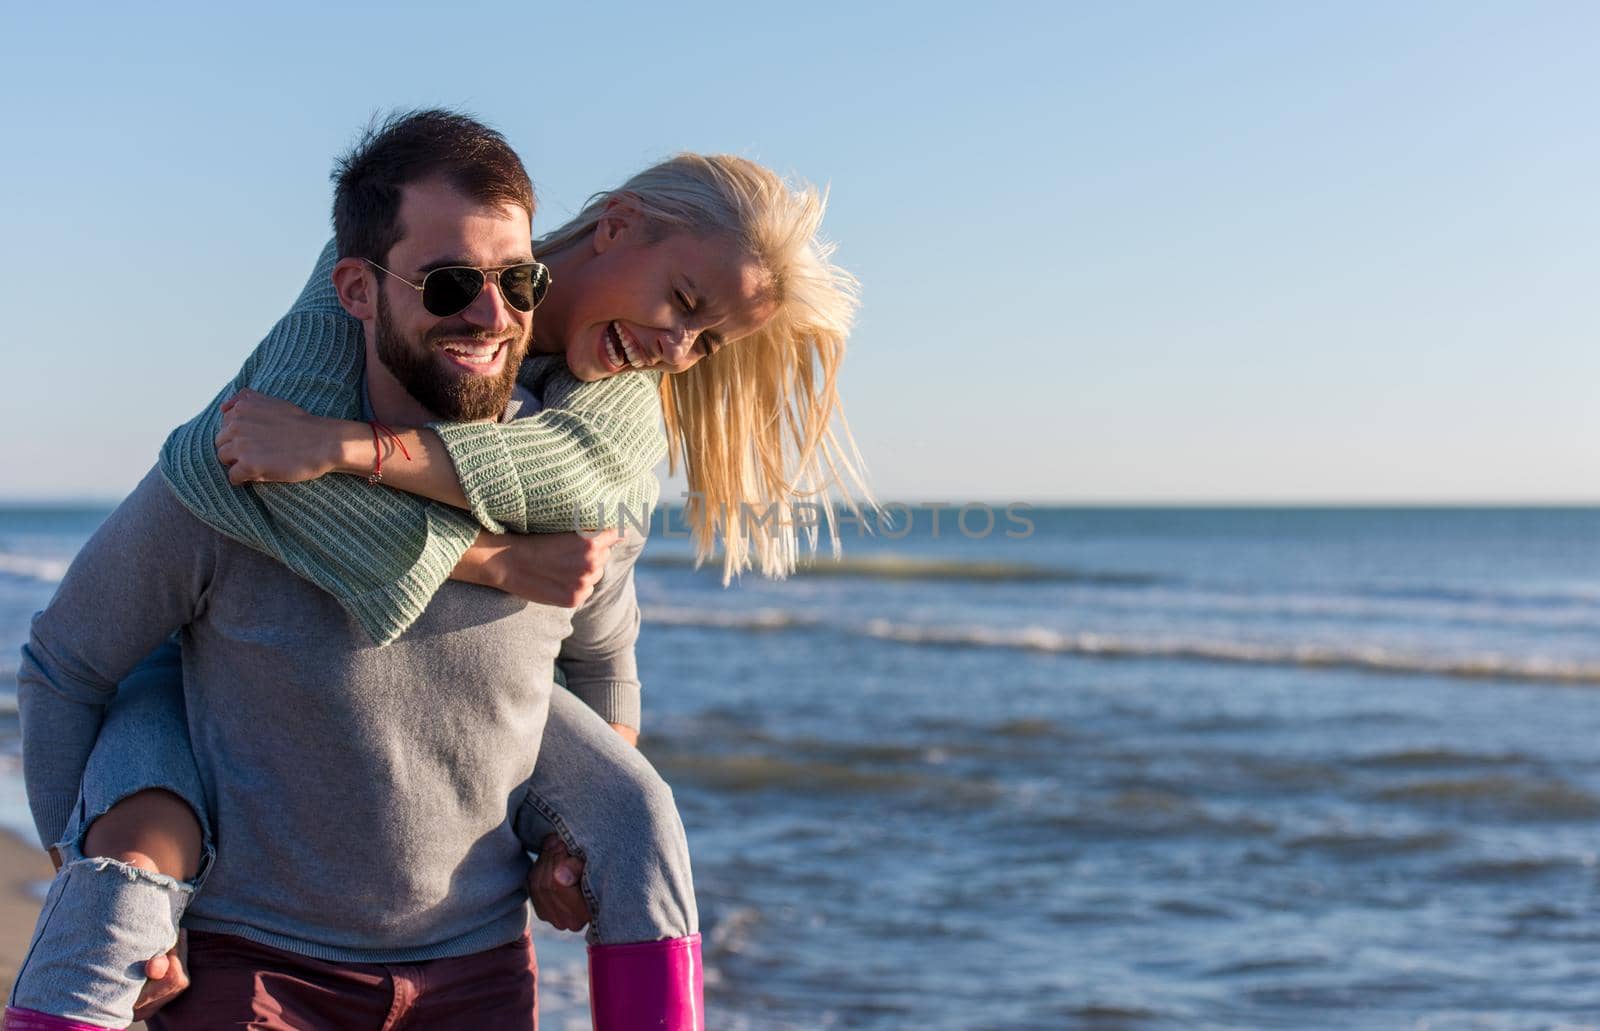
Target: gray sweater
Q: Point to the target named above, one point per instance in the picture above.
(360, 794)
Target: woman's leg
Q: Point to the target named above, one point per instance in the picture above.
(131, 859)
(614, 811)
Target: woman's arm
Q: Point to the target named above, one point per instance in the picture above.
(562, 469)
(587, 458)
(267, 440)
(574, 464)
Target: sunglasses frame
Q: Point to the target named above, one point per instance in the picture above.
(541, 271)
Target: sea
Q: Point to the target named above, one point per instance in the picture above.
(1112, 768)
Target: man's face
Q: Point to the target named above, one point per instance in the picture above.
(461, 368)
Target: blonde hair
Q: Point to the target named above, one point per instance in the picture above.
(757, 426)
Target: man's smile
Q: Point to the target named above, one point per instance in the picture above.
(479, 357)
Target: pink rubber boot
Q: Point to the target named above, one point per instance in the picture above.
(32, 1020)
(647, 985)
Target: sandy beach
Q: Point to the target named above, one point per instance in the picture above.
(25, 866)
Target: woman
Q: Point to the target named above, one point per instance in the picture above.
(698, 258)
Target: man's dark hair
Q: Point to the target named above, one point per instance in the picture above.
(408, 147)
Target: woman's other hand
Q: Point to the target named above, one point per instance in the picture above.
(268, 440)
(548, 568)
(553, 886)
(166, 979)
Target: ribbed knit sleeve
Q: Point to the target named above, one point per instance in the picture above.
(383, 553)
(589, 453)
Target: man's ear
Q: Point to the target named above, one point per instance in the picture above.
(619, 220)
(357, 286)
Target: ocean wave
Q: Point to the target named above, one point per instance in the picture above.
(1433, 758)
(33, 567)
(910, 567)
(1294, 602)
(1520, 797)
(1375, 660)
(1271, 964)
(1516, 868)
(1574, 610)
(746, 772)
(754, 619)
(1366, 844)
(1496, 596)
(1146, 812)
(1537, 669)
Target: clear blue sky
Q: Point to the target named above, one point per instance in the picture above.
(1138, 251)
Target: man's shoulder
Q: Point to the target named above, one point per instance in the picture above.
(153, 518)
(154, 498)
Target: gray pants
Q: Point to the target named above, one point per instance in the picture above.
(102, 919)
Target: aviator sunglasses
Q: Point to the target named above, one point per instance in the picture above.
(447, 291)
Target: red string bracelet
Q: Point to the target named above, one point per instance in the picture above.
(376, 477)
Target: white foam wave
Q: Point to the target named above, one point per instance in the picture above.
(1372, 659)
(1353, 607)
(754, 619)
(1490, 666)
(34, 567)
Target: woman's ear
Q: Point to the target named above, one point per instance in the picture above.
(357, 286)
(619, 221)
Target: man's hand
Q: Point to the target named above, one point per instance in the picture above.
(167, 979)
(268, 440)
(627, 733)
(553, 886)
(549, 568)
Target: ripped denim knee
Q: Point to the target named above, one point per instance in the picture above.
(101, 921)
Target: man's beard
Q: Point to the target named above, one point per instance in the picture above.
(453, 398)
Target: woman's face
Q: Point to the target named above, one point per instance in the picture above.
(637, 304)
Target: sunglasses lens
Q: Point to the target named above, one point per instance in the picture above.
(524, 286)
(446, 291)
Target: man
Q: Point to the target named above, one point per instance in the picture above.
(360, 794)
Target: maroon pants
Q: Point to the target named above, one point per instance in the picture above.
(237, 983)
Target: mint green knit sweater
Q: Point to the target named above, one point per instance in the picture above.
(383, 553)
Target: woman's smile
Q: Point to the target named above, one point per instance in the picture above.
(620, 348)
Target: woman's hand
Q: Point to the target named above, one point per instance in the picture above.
(553, 884)
(268, 440)
(166, 979)
(548, 568)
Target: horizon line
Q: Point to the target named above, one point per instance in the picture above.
(953, 503)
